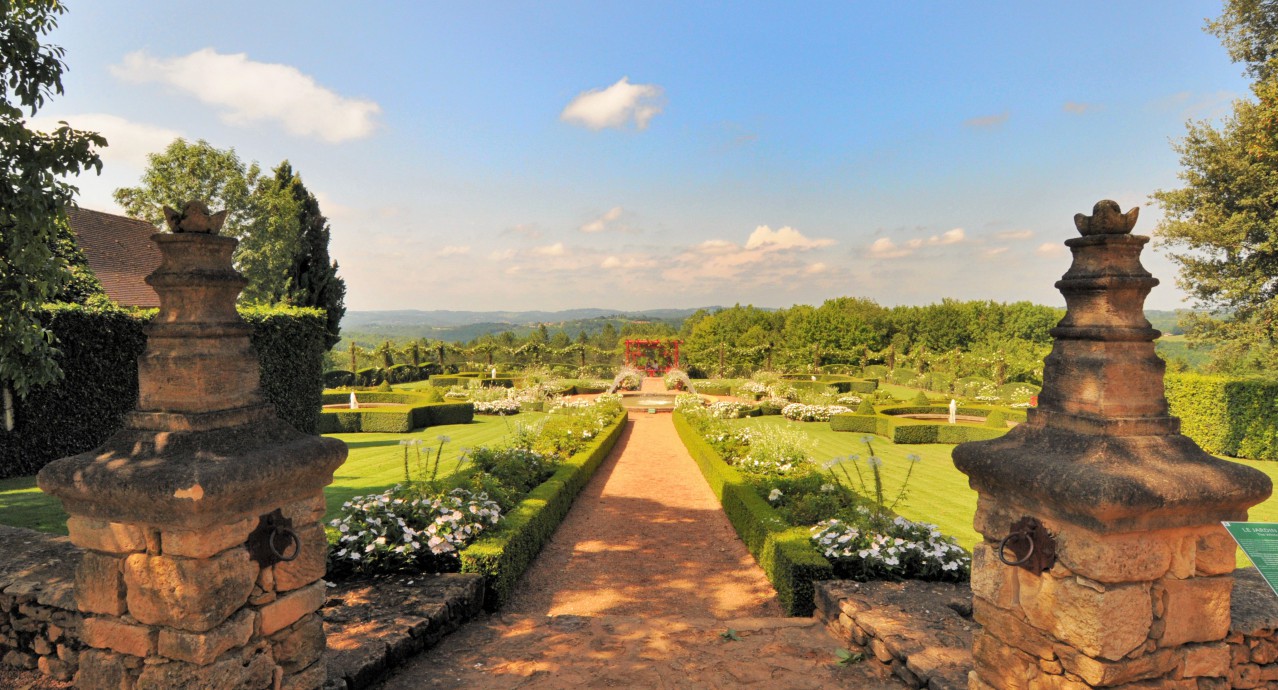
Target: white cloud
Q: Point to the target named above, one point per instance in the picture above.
(885, 248)
(528, 230)
(502, 255)
(331, 209)
(716, 246)
(1014, 235)
(1050, 249)
(816, 269)
(556, 249)
(128, 143)
(615, 106)
(453, 250)
(948, 237)
(512, 270)
(603, 222)
(987, 121)
(611, 262)
(992, 252)
(248, 92)
(764, 237)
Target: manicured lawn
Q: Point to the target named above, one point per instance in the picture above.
(937, 492)
(375, 463)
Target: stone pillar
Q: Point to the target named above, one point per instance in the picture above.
(181, 582)
(1137, 592)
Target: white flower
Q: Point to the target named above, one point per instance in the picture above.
(913, 457)
(874, 461)
(774, 495)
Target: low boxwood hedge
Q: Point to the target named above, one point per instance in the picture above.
(841, 383)
(889, 423)
(1237, 417)
(419, 412)
(785, 553)
(503, 555)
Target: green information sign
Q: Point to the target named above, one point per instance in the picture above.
(1259, 540)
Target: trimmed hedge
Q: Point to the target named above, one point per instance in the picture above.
(1236, 417)
(785, 553)
(886, 424)
(419, 412)
(840, 383)
(98, 353)
(503, 555)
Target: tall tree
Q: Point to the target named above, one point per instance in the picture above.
(33, 194)
(81, 283)
(186, 171)
(1222, 227)
(313, 279)
(272, 238)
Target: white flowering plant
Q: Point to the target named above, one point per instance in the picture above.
(901, 549)
(503, 407)
(401, 529)
(728, 409)
(800, 412)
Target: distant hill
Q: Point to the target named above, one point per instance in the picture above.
(458, 326)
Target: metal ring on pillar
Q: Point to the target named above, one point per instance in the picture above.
(1002, 548)
(292, 537)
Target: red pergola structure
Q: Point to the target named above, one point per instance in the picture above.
(666, 352)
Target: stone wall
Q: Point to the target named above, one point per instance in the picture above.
(39, 624)
(922, 631)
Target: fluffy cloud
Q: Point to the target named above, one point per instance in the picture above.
(611, 262)
(764, 237)
(1014, 235)
(991, 252)
(816, 268)
(1051, 249)
(615, 106)
(603, 222)
(556, 249)
(453, 250)
(248, 92)
(885, 248)
(986, 121)
(128, 142)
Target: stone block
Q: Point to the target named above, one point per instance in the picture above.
(108, 537)
(206, 543)
(300, 645)
(291, 607)
(1245, 676)
(99, 585)
(101, 670)
(1265, 652)
(1211, 660)
(188, 594)
(1001, 666)
(310, 678)
(1197, 610)
(1115, 558)
(203, 648)
(306, 511)
(994, 518)
(118, 636)
(19, 659)
(55, 668)
(310, 564)
(1057, 682)
(249, 669)
(991, 580)
(1102, 673)
(1101, 621)
(1184, 552)
(1215, 552)
(1011, 630)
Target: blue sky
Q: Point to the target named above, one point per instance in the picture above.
(641, 155)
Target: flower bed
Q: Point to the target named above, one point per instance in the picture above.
(799, 412)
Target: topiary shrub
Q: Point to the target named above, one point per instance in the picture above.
(865, 408)
(920, 399)
(384, 386)
(432, 394)
(996, 420)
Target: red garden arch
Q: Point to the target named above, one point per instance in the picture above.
(654, 356)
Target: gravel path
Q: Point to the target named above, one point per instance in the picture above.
(639, 588)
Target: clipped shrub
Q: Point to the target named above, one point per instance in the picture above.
(996, 420)
(98, 351)
(385, 386)
(431, 394)
(920, 399)
(1237, 417)
(865, 424)
(368, 376)
(865, 408)
(338, 378)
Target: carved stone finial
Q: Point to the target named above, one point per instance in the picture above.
(1107, 219)
(194, 217)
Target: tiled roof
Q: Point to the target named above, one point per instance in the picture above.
(120, 253)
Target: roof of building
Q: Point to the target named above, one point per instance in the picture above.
(120, 253)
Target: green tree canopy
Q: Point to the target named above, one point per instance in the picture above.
(33, 194)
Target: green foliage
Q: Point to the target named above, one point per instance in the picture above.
(187, 171)
(100, 347)
(312, 278)
(996, 420)
(865, 407)
(1237, 417)
(385, 386)
(34, 195)
(289, 342)
(504, 554)
(81, 284)
(420, 411)
(784, 553)
(267, 248)
(920, 399)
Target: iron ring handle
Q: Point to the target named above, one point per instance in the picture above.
(292, 537)
(1002, 548)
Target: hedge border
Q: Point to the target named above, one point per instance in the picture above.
(503, 555)
(420, 413)
(785, 553)
(884, 423)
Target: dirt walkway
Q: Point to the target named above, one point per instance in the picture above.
(639, 588)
